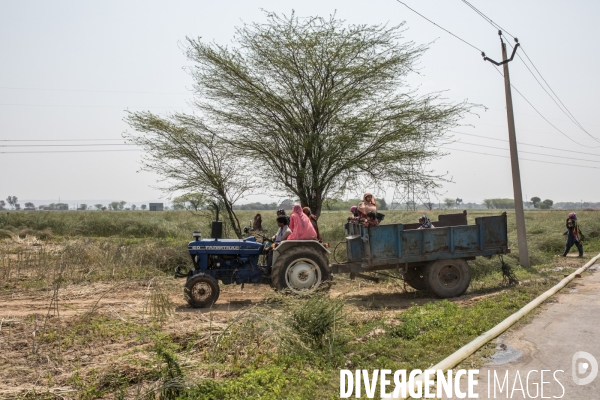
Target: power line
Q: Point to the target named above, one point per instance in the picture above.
(489, 20)
(67, 145)
(567, 112)
(545, 119)
(444, 29)
(526, 144)
(549, 87)
(61, 151)
(527, 152)
(55, 140)
(520, 159)
(86, 90)
(83, 106)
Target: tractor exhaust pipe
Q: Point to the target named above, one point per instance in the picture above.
(217, 226)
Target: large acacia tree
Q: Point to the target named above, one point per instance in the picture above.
(322, 105)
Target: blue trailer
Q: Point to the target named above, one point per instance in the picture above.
(428, 259)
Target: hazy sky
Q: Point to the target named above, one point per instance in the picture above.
(70, 69)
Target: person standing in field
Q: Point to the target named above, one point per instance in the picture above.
(574, 235)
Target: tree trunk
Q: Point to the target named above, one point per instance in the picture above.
(235, 223)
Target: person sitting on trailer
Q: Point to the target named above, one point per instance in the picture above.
(313, 221)
(425, 222)
(371, 220)
(301, 226)
(367, 205)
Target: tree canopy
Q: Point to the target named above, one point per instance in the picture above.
(322, 104)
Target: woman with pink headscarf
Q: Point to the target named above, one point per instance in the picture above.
(301, 226)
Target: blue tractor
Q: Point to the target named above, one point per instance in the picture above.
(434, 260)
(298, 266)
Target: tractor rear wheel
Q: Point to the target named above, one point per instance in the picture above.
(201, 290)
(300, 270)
(415, 278)
(448, 278)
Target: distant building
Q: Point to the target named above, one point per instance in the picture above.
(156, 207)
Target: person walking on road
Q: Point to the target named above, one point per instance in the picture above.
(574, 235)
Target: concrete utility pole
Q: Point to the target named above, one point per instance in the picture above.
(514, 156)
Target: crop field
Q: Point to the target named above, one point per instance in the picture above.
(89, 309)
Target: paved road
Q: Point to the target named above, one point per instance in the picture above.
(568, 324)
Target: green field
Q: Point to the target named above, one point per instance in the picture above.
(90, 310)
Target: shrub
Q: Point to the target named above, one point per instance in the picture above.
(317, 318)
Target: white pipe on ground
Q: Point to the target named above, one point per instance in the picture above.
(455, 358)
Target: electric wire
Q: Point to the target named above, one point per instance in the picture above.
(541, 115)
(56, 140)
(444, 29)
(85, 90)
(67, 145)
(549, 87)
(488, 19)
(83, 106)
(520, 159)
(567, 112)
(527, 144)
(64, 151)
(526, 152)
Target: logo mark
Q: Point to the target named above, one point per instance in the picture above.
(580, 367)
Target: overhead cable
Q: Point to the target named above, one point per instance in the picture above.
(85, 90)
(526, 152)
(546, 119)
(565, 110)
(527, 144)
(520, 159)
(55, 140)
(489, 20)
(63, 151)
(444, 29)
(67, 145)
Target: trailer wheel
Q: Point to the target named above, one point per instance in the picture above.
(300, 270)
(415, 278)
(448, 278)
(201, 290)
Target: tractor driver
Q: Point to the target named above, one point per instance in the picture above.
(282, 234)
(284, 230)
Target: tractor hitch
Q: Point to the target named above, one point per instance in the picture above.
(184, 274)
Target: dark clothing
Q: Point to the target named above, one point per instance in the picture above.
(573, 237)
(257, 224)
(313, 221)
(570, 242)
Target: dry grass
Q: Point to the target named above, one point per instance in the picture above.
(88, 310)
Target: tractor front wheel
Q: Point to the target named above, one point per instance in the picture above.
(201, 290)
(300, 270)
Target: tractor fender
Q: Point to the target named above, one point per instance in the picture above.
(289, 244)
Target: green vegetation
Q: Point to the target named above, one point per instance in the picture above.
(280, 346)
